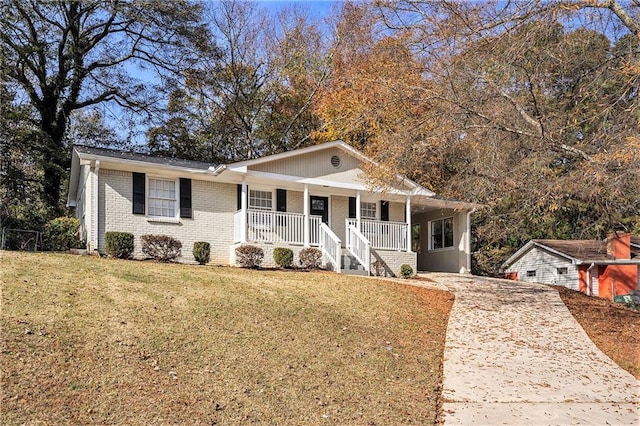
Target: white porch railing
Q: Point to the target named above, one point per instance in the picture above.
(314, 230)
(359, 247)
(331, 247)
(276, 227)
(383, 235)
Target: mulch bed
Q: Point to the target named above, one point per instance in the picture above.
(614, 328)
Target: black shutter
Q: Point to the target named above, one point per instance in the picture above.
(185, 198)
(352, 207)
(281, 200)
(384, 210)
(138, 193)
(239, 196)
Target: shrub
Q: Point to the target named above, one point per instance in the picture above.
(201, 251)
(249, 256)
(161, 247)
(406, 271)
(62, 233)
(310, 258)
(118, 244)
(283, 257)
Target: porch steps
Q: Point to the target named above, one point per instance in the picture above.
(349, 265)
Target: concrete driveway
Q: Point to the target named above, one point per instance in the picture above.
(515, 355)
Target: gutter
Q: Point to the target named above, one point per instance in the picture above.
(216, 171)
(608, 262)
(468, 242)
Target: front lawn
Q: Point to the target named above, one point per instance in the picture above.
(88, 340)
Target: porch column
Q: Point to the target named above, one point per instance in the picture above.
(358, 219)
(96, 209)
(306, 216)
(243, 209)
(408, 214)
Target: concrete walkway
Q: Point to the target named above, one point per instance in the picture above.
(515, 355)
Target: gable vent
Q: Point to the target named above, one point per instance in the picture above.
(335, 161)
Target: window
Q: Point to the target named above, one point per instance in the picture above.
(260, 200)
(531, 273)
(441, 233)
(162, 199)
(562, 271)
(415, 238)
(368, 211)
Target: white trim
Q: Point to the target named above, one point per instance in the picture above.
(244, 201)
(358, 211)
(266, 190)
(430, 234)
(301, 151)
(242, 166)
(307, 230)
(162, 219)
(171, 219)
(141, 166)
(326, 195)
(527, 247)
(96, 188)
(376, 210)
(409, 226)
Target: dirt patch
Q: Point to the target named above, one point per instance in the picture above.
(614, 328)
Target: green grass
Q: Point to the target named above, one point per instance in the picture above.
(89, 340)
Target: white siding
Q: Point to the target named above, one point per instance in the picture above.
(318, 165)
(546, 266)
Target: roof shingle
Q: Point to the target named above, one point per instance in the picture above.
(134, 156)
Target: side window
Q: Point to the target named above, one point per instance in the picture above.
(441, 233)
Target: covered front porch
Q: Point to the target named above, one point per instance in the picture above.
(325, 223)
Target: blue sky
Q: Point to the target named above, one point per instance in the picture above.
(318, 8)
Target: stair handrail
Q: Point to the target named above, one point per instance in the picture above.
(359, 247)
(330, 244)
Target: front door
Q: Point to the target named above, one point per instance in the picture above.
(320, 207)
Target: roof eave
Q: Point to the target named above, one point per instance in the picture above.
(105, 159)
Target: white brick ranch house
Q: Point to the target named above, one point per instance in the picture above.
(316, 196)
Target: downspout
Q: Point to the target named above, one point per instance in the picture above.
(96, 169)
(589, 280)
(468, 239)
